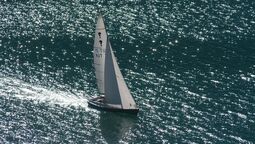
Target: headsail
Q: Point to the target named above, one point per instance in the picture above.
(99, 53)
(116, 90)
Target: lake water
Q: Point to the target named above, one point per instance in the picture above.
(190, 66)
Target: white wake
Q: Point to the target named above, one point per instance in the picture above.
(18, 88)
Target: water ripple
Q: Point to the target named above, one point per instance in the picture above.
(189, 65)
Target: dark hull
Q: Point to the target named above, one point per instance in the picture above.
(94, 104)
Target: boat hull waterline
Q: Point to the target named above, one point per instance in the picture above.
(97, 103)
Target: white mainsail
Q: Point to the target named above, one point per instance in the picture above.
(99, 53)
(116, 90)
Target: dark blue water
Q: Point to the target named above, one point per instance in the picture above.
(190, 66)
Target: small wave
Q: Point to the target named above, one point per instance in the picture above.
(239, 139)
(240, 115)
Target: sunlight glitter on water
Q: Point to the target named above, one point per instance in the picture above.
(181, 60)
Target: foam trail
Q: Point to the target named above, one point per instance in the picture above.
(14, 87)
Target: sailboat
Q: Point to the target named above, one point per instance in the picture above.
(114, 93)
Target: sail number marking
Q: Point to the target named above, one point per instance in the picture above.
(98, 52)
